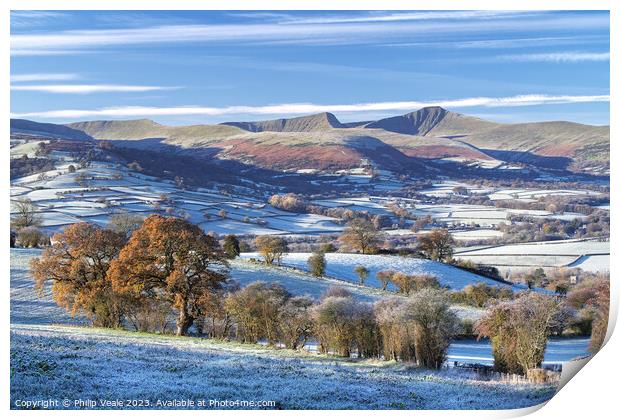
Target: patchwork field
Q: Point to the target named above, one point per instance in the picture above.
(589, 255)
(96, 193)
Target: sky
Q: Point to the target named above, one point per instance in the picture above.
(202, 67)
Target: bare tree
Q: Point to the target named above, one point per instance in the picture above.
(26, 214)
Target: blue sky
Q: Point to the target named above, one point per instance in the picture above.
(181, 67)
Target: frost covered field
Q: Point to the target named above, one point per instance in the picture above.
(51, 359)
(65, 362)
(103, 189)
(341, 266)
(589, 255)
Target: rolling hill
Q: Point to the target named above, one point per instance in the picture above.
(322, 142)
(33, 128)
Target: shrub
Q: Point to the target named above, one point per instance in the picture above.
(231, 246)
(317, 264)
(397, 336)
(385, 277)
(149, 315)
(272, 248)
(31, 237)
(601, 317)
(519, 330)
(362, 273)
(435, 324)
(343, 325)
(296, 322)
(328, 247)
(411, 283)
(216, 321)
(479, 294)
(257, 310)
(335, 291)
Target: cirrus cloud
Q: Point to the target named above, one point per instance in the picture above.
(309, 108)
(86, 89)
(558, 57)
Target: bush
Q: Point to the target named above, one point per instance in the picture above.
(362, 273)
(317, 264)
(296, 322)
(216, 321)
(519, 330)
(343, 325)
(272, 248)
(412, 283)
(256, 308)
(289, 202)
(149, 315)
(328, 247)
(479, 294)
(435, 324)
(335, 291)
(397, 336)
(601, 317)
(231, 246)
(385, 277)
(31, 237)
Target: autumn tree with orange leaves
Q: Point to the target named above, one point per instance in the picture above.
(77, 263)
(173, 260)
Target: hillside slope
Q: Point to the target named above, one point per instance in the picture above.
(34, 128)
(322, 142)
(310, 123)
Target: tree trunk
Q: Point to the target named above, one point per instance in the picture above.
(184, 321)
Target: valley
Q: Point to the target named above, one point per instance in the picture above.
(307, 180)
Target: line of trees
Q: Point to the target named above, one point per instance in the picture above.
(417, 329)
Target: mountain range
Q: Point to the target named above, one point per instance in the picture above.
(322, 142)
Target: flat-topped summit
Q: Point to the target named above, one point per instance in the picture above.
(315, 122)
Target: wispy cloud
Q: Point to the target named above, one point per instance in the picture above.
(42, 77)
(361, 30)
(308, 108)
(558, 57)
(502, 43)
(86, 89)
(30, 18)
(405, 16)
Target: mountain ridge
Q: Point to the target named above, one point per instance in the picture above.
(307, 123)
(321, 141)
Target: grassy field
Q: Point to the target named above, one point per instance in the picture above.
(62, 362)
(54, 359)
